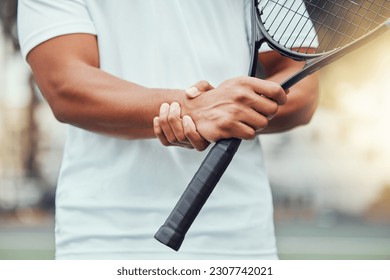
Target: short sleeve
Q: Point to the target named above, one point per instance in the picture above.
(41, 20)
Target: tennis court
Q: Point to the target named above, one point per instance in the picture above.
(302, 240)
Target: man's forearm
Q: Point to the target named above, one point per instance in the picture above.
(94, 100)
(302, 99)
(301, 104)
(67, 70)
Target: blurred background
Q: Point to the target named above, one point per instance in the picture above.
(330, 179)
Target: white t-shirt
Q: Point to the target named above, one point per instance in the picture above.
(114, 194)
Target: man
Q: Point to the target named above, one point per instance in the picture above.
(122, 73)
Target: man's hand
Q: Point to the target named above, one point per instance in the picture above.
(249, 103)
(237, 108)
(173, 129)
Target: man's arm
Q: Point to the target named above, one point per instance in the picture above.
(298, 110)
(66, 69)
(302, 99)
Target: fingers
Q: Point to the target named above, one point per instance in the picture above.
(268, 89)
(192, 134)
(265, 106)
(159, 133)
(163, 123)
(161, 127)
(239, 108)
(192, 92)
(171, 130)
(244, 85)
(265, 97)
(175, 124)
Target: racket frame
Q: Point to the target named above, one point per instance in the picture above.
(173, 231)
(317, 63)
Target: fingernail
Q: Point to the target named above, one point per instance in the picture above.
(174, 106)
(156, 121)
(270, 117)
(187, 121)
(192, 92)
(164, 108)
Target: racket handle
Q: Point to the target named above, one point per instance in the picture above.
(173, 231)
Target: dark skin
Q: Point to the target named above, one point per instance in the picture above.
(173, 129)
(81, 94)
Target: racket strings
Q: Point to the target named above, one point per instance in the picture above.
(337, 35)
(349, 21)
(301, 19)
(336, 22)
(293, 19)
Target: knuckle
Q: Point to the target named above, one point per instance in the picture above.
(273, 108)
(250, 134)
(242, 80)
(232, 112)
(189, 135)
(228, 133)
(181, 138)
(165, 143)
(172, 140)
(242, 96)
(163, 122)
(276, 89)
(189, 132)
(171, 118)
(262, 123)
(224, 124)
(203, 85)
(278, 93)
(201, 147)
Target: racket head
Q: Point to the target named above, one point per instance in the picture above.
(333, 24)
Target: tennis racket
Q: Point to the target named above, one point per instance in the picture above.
(341, 27)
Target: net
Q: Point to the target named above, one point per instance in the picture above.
(336, 22)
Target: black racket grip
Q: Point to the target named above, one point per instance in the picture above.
(173, 231)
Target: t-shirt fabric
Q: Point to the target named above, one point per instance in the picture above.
(113, 194)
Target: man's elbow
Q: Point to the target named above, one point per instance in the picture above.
(61, 113)
(308, 116)
(312, 100)
(61, 99)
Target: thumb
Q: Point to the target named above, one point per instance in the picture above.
(199, 88)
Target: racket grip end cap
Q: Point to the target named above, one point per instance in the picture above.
(169, 237)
